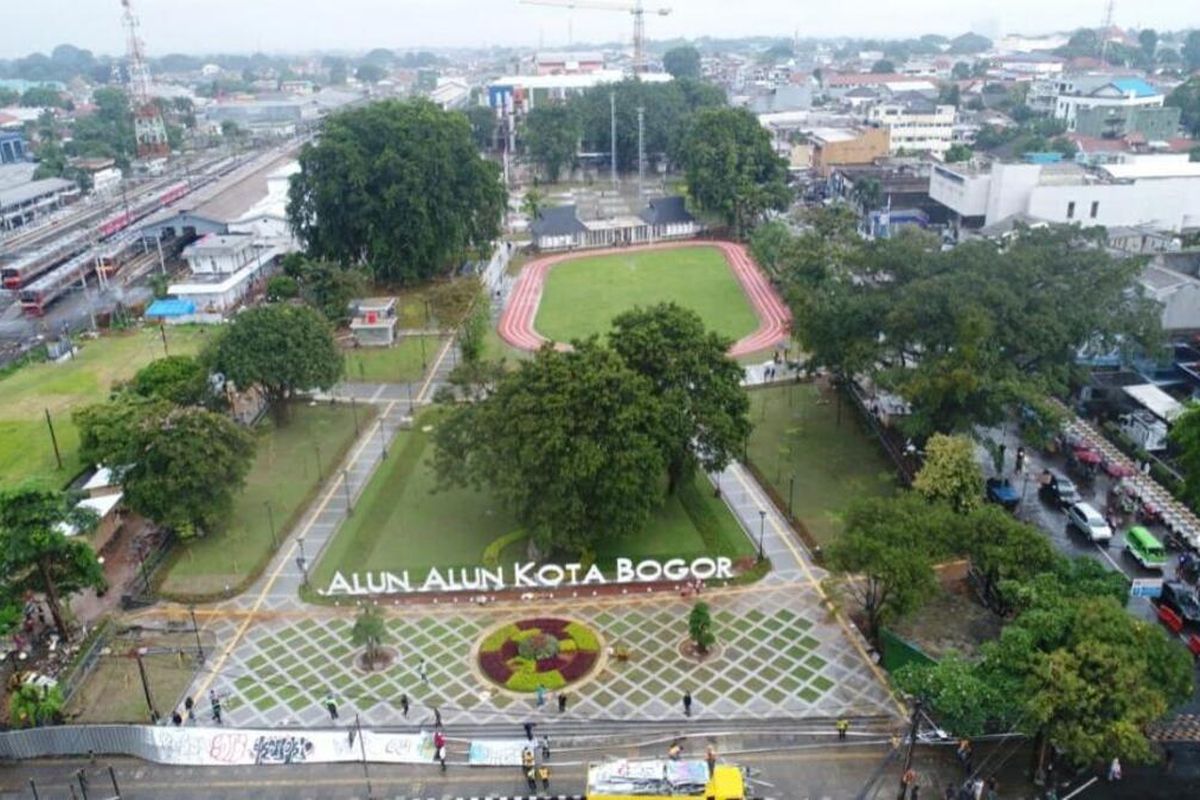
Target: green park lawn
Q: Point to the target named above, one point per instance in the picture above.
(582, 296)
(797, 435)
(284, 474)
(400, 523)
(403, 362)
(26, 452)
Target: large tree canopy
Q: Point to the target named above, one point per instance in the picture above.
(35, 554)
(965, 333)
(732, 169)
(551, 137)
(704, 405)
(682, 62)
(281, 349)
(570, 442)
(180, 466)
(399, 187)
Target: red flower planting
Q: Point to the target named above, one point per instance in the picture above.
(506, 667)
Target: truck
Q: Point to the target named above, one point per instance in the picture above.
(1145, 430)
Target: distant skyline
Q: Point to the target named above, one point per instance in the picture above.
(243, 26)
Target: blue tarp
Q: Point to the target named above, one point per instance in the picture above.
(171, 307)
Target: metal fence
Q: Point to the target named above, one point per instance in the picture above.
(76, 740)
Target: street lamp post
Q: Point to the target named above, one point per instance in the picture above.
(301, 561)
(354, 411)
(382, 438)
(196, 630)
(791, 493)
(346, 488)
(320, 470)
(762, 526)
(271, 522)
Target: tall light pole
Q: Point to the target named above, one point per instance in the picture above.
(271, 522)
(612, 123)
(196, 630)
(762, 526)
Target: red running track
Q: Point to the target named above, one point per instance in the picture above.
(774, 318)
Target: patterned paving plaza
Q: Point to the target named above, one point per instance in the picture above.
(781, 655)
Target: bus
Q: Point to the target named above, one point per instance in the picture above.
(658, 779)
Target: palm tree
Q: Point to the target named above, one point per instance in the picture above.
(869, 194)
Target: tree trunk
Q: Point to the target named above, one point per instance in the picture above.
(53, 601)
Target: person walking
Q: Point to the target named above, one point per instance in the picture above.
(842, 726)
(540, 693)
(1114, 770)
(331, 706)
(562, 702)
(439, 748)
(176, 718)
(421, 673)
(544, 774)
(437, 718)
(710, 758)
(527, 758)
(529, 731)
(531, 779)
(687, 702)
(545, 748)
(216, 706)
(404, 705)
(189, 707)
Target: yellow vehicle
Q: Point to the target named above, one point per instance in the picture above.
(656, 779)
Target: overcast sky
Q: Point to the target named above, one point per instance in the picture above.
(204, 26)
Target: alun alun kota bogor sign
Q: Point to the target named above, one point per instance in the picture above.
(529, 575)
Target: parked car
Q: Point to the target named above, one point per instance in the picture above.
(1088, 521)
(1182, 599)
(1001, 492)
(1058, 489)
(1144, 548)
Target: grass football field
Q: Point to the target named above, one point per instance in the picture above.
(582, 296)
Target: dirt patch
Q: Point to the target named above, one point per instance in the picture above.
(951, 620)
(688, 650)
(384, 658)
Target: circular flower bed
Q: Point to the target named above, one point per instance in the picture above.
(539, 652)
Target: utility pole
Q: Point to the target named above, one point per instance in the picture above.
(612, 124)
(362, 749)
(53, 439)
(196, 630)
(912, 740)
(141, 651)
(346, 488)
(641, 154)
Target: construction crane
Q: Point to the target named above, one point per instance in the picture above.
(632, 7)
(149, 130)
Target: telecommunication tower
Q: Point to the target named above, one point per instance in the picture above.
(149, 130)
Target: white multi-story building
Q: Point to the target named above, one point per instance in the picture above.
(915, 124)
(1087, 92)
(1159, 191)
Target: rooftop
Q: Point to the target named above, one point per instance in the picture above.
(1166, 166)
(212, 244)
(33, 190)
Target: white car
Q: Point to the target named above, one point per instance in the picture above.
(1089, 522)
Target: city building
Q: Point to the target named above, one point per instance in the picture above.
(450, 93)
(1023, 66)
(525, 92)
(569, 63)
(837, 84)
(23, 203)
(1160, 191)
(13, 147)
(914, 124)
(834, 147)
(1076, 93)
(1151, 123)
(664, 218)
(223, 269)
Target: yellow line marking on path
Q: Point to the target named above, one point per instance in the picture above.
(786, 536)
(312, 518)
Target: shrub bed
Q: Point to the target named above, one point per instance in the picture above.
(545, 651)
